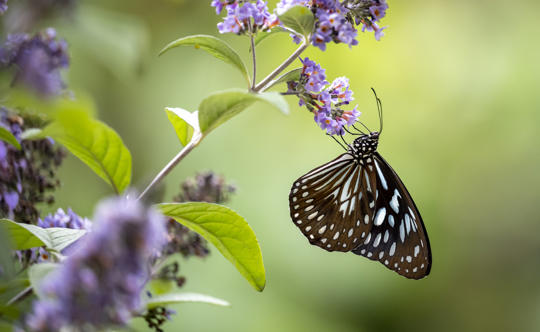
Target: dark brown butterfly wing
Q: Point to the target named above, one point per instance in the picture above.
(397, 238)
(333, 204)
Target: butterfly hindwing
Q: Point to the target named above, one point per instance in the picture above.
(330, 204)
(397, 238)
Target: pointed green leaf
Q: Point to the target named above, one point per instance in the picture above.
(37, 273)
(24, 236)
(94, 143)
(61, 238)
(226, 230)
(214, 46)
(261, 35)
(274, 99)
(299, 19)
(293, 75)
(183, 122)
(7, 136)
(174, 298)
(221, 106)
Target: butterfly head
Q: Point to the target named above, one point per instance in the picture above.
(364, 146)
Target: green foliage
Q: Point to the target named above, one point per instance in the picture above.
(7, 136)
(215, 47)
(37, 273)
(94, 143)
(261, 35)
(221, 106)
(183, 122)
(226, 230)
(174, 298)
(293, 75)
(26, 236)
(23, 236)
(300, 19)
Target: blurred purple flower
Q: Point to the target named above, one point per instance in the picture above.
(100, 284)
(37, 61)
(3, 6)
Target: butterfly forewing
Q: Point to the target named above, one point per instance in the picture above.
(330, 204)
(397, 238)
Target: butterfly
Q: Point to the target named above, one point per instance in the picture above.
(358, 203)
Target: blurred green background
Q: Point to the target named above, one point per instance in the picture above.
(459, 83)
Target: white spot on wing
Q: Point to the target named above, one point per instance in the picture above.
(392, 249)
(377, 240)
(311, 216)
(391, 220)
(416, 250)
(368, 239)
(322, 229)
(409, 259)
(336, 235)
(383, 180)
(394, 203)
(379, 217)
(402, 232)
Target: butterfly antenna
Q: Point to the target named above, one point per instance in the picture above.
(360, 131)
(369, 131)
(356, 134)
(379, 109)
(338, 142)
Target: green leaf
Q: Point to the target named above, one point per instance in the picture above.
(226, 230)
(37, 274)
(293, 75)
(184, 123)
(215, 47)
(7, 136)
(174, 298)
(300, 19)
(60, 238)
(24, 236)
(94, 143)
(221, 106)
(261, 35)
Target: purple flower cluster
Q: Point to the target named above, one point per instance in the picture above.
(376, 10)
(36, 60)
(65, 220)
(325, 103)
(26, 175)
(100, 284)
(244, 16)
(334, 20)
(3, 6)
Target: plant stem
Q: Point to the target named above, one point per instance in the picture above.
(20, 296)
(260, 87)
(254, 81)
(195, 140)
